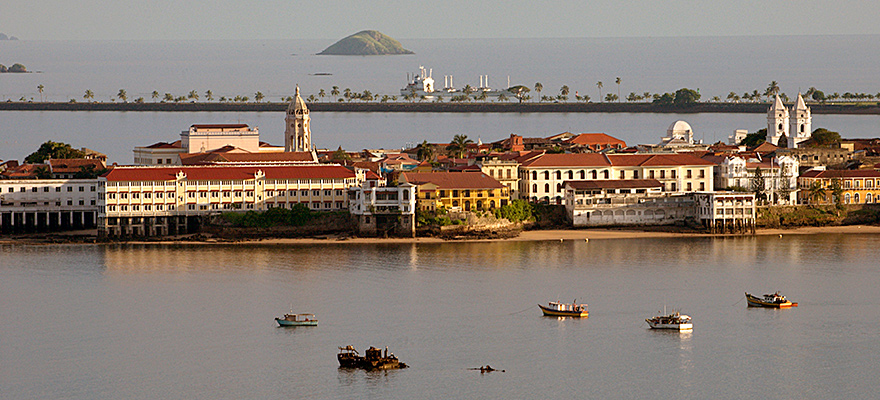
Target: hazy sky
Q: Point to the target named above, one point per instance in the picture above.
(334, 19)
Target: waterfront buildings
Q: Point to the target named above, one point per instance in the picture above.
(457, 191)
(778, 178)
(150, 201)
(542, 177)
(40, 205)
(384, 210)
(817, 186)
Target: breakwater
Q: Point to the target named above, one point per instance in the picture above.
(436, 107)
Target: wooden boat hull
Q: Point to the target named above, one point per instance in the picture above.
(758, 302)
(554, 313)
(284, 322)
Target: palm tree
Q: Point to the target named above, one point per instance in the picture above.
(321, 93)
(772, 89)
(89, 95)
(123, 95)
(168, 97)
(647, 96)
(155, 95)
(459, 145)
(617, 81)
(502, 97)
(610, 97)
(193, 95)
(258, 96)
(347, 94)
(209, 95)
(40, 88)
(563, 91)
(334, 92)
(816, 192)
(425, 150)
(599, 85)
(538, 88)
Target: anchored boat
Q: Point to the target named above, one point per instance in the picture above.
(676, 321)
(557, 309)
(373, 359)
(774, 300)
(297, 320)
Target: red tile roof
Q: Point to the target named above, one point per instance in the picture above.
(568, 160)
(846, 173)
(228, 172)
(164, 145)
(452, 180)
(659, 160)
(590, 139)
(62, 165)
(614, 184)
(215, 157)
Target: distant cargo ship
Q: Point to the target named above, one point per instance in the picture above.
(422, 85)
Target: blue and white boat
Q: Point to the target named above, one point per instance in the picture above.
(297, 320)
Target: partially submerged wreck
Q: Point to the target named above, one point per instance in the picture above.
(372, 360)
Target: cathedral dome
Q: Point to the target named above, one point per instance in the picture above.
(679, 129)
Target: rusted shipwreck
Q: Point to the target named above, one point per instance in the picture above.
(372, 359)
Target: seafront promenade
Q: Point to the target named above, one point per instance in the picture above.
(437, 107)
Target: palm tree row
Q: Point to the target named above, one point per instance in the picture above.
(470, 93)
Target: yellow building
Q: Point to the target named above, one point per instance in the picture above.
(468, 191)
(859, 186)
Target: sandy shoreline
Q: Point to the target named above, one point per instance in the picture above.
(536, 235)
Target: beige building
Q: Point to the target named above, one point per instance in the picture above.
(31, 205)
(202, 138)
(148, 201)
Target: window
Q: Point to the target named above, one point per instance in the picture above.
(534, 175)
(546, 175)
(673, 174)
(558, 174)
(121, 195)
(159, 195)
(135, 195)
(316, 192)
(662, 173)
(57, 189)
(339, 192)
(689, 187)
(702, 185)
(635, 174)
(203, 195)
(570, 174)
(534, 187)
(702, 173)
(688, 174)
(546, 187)
(622, 174)
(191, 195)
(69, 189)
(82, 189)
(651, 174)
(327, 192)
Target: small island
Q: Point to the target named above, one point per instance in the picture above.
(366, 43)
(4, 37)
(14, 68)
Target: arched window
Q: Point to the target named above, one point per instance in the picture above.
(546, 175)
(547, 188)
(780, 127)
(868, 198)
(570, 174)
(455, 203)
(558, 174)
(534, 175)
(605, 174)
(869, 183)
(846, 198)
(583, 175)
(534, 187)
(593, 174)
(856, 198)
(802, 128)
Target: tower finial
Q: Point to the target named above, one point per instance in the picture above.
(297, 90)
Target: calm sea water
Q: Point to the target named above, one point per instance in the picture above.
(127, 321)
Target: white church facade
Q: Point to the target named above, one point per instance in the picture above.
(795, 126)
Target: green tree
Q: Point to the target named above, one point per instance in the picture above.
(193, 95)
(824, 137)
(563, 92)
(425, 151)
(154, 95)
(515, 211)
(89, 95)
(258, 96)
(610, 97)
(123, 95)
(50, 149)
(168, 97)
(816, 192)
(334, 92)
(520, 92)
(772, 90)
(837, 192)
(209, 95)
(665, 99)
(599, 85)
(40, 88)
(538, 88)
(758, 183)
(459, 145)
(755, 138)
(686, 96)
(340, 155)
(321, 94)
(617, 81)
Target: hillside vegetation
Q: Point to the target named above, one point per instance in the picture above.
(366, 43)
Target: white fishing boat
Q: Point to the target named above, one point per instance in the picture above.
(676, 321)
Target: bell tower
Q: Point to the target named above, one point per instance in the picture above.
(777, 122)
(801, 124)
(297, 134)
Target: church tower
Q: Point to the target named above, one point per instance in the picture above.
(801, 124)
(297, 134)
(777, 122)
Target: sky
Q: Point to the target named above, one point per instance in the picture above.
(334, 19)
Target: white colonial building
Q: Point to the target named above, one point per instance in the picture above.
(779, 174)
(384, 210)
(32, 205)
(624, 202)
(726, 212)
(149, 201)
(542, 178)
